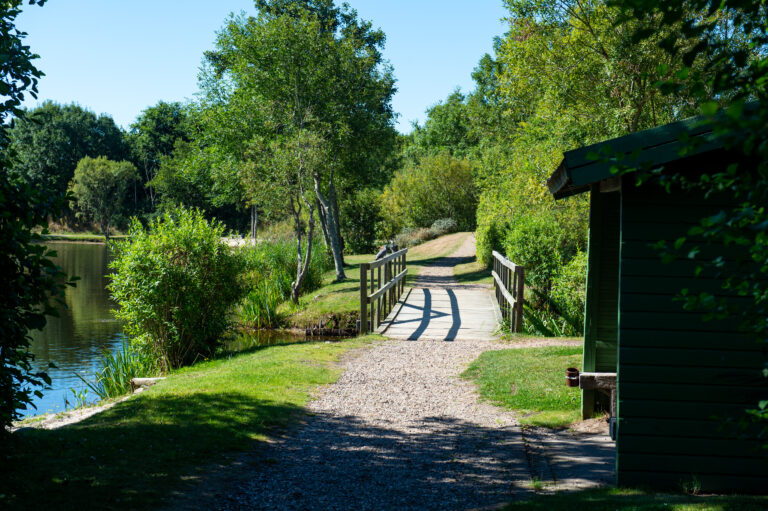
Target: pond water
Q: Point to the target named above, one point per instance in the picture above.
(75, 340)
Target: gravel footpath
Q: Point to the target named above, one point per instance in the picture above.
(399, 430)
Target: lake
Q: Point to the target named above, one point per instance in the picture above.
(75, 340)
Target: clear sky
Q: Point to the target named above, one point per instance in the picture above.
(121, 56)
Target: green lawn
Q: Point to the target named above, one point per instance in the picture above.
(134, 454)
(473, 272)
(530, 381)
(612, 499)
(342, 299)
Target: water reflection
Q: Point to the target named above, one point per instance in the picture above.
(74, 341)
(257, 338)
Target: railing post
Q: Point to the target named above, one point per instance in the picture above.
(364, 298)
(519, 298)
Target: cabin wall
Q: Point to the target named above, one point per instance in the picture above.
(680, 379)
(602, 297)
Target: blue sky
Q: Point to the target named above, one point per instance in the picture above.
(121, 56)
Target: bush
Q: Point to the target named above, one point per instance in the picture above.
(569, 291)
(534, 241)
(444, 226)
(175, 284)
(360, 217)
(437, 187)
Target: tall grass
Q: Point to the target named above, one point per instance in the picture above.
(271, 267)
(117, 370)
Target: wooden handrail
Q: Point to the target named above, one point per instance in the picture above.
(379, 295)
(509, 284)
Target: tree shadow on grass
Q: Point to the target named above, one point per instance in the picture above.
(114, 460)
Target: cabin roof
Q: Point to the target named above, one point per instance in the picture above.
(644, 149)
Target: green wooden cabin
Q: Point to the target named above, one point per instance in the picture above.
(678, 376)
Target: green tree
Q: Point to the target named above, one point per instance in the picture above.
(284, 179)
(317, 67)
(153, 136)
(51, 139)
(99, 187)
(32, 284)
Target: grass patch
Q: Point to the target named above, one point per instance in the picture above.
(473, 272)
(135, 454)
(342, 299)
(531, 381)
(611, 499)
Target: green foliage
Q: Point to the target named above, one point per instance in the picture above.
(175, 284)
(117, 369)
(51, 139)
(33, 285)
(270, 269)
(536, 242)
(99, 186)
(361, 215)
(569, 292)
(439, 186)
(154, 136)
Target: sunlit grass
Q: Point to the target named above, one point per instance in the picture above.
(530, 381)
(611, 499)
(132, 456)
(342, 299)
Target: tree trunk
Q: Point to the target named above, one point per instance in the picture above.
(333, 230)
(302, 266)
(323, 226)
(254, 222)
(332, 197)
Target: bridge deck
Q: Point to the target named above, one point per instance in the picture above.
(438, 307)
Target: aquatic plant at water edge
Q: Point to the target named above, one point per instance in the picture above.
(117, 369)
(176, 283)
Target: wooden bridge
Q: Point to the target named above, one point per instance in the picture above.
(438, 306)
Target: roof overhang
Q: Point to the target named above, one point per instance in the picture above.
(642, 150)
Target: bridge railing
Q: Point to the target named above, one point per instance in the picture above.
(509, 284)
(382, 283)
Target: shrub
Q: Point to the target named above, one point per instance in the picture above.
(360, 216)
(437, 187)
(569, 290)
(444, 226)
(534, 242)
(175, 284)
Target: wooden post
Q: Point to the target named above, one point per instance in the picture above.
(378, 301)
(519, 290)
(364, 298)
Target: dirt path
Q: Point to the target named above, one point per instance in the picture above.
(399, 430)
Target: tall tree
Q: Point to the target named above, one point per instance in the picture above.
(51, 139)
(153, 136)
(32, 283)
(315, 67)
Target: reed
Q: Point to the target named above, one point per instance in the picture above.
(271, 267)
(118, 367)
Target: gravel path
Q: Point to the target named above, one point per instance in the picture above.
(399, 430)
